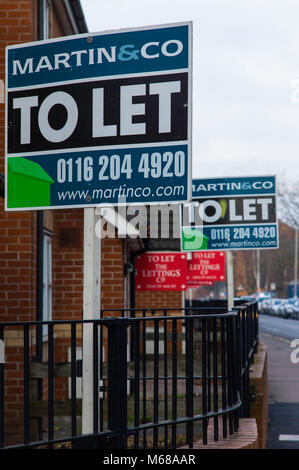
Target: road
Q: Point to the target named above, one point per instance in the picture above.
(282, 327)
(283, 375)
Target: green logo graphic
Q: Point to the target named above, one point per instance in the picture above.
(223, 203)
(194, 239)
(28, 185)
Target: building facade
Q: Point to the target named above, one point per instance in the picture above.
(41, 269)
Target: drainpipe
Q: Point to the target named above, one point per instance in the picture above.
(39, 281)
(39, 244)
(1, 185)
(132, 275)
(42, 33)
(133, 302)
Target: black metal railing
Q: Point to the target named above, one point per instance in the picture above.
(160, 378)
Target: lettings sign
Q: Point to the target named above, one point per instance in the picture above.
(99, 119)
(165, 271)
(205, 267)
(232, 214)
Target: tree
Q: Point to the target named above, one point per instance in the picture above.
(288, 202)
(276, 266)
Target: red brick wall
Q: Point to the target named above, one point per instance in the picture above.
(112, 274)
(13, 402)
(159, 299)
(67, 266)
(18, 24)
(18, 261)
(68, 281)
(17, 233)
(259, 387)
(68, 269)
(17, 230)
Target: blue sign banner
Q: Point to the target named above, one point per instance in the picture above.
(245, 237)
(99, 55)
(97, 177)
(237, 186)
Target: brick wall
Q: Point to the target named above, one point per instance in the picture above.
(18, 24)
(17, 234)
(18, 261)
(68, 267)
(159, 299)
(245, 438)
(112, 274)
(17, 230)
(68, 258)
(67, 264)
(259, 386)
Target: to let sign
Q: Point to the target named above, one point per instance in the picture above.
(205, 268)
(102, 118)
(232, 214)
(161, 271)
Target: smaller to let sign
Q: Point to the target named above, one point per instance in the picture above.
(232, 214)
(205, 268)
(161, 271)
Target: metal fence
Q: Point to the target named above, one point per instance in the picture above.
(160, 377)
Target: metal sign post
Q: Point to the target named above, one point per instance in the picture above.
(91, 311)
(230, 279)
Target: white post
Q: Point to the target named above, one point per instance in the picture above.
(230, 279)
(296, 262)
(258, 272)
(91, 310)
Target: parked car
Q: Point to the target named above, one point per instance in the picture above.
(265, 295)
(274, 306)
(292, 308)
(248, 298)
(282, 309)
(262, 299)
(295, 313)
(264, 306)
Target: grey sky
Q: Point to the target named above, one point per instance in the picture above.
(245, 61)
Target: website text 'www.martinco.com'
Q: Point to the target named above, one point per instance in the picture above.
(242, 244)
(122, 191)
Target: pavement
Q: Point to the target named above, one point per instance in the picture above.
(283, 376)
